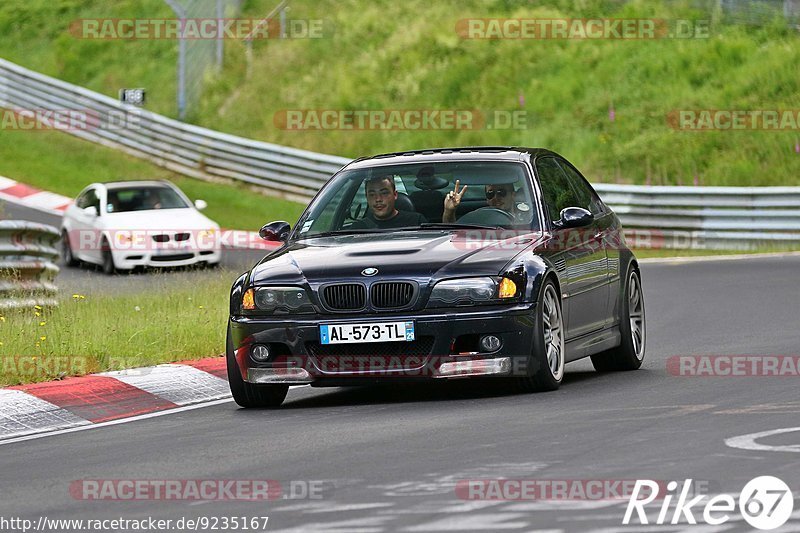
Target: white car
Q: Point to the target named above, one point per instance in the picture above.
(128, 224)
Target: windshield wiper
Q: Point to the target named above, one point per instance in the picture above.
(345, 232)
(453, 225)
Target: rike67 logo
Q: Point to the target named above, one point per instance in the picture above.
(765, 503)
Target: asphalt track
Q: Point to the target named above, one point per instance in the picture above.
(389, 459)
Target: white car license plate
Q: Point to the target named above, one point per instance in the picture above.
(370, 332)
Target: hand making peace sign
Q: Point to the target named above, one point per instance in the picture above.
(453, 198)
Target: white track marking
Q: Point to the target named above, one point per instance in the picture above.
(6, 183)
(21, 201)
(22, 414)
(748, 442)
(47, 200)
(116, 422)
(179, 384)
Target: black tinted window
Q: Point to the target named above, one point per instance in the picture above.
(557, 192)
(143, 198)
(585, 195)
(87, 199)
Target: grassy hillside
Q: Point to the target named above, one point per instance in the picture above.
(407, 55)
(64, 164)
(36, 34)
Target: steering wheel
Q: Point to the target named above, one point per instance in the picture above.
(350, 215)
(488, 216)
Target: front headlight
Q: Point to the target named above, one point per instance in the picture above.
(471, 291)
(123, 237)
(207, 238)
(279, 300)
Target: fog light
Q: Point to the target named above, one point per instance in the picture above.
(490, 343)
(259, 352)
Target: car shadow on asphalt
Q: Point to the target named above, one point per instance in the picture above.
(416, 392)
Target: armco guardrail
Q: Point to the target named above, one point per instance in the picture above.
(707, 217)
(183, 148)
(27, 264)
(697, 217)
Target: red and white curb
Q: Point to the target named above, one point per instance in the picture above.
(20, 193)
(55, 204)
(110, 397)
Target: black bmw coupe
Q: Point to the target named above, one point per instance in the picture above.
(438, 264)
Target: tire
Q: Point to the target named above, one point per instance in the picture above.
(66, 251)
(545, 368)
(109, 268)
(633, 328)
(246, 394)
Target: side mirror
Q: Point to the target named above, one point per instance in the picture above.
(275, 231)
(200, 204)
(575, 217)
(91, 211)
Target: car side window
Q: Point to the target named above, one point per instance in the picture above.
(82, 200)
(586, 196)
(89, 198)
(92, 200)
(556, 191)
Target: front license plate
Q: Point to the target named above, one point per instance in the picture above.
(372, 332)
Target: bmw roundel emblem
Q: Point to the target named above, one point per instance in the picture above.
(370, 271)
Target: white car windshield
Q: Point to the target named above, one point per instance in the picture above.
(122, 200)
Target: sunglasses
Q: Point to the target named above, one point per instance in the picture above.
(501, 193)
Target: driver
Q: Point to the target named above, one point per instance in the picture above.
(499, 196)
(381, 197)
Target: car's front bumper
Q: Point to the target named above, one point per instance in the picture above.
(445, 347)
(130, 259)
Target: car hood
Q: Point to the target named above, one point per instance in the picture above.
(419, 255)
(158, 219)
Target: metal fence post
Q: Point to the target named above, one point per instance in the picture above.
(220, 43)
(181, 14)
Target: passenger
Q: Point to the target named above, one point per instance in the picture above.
(151, 200)
(499, 196)
(381, 197)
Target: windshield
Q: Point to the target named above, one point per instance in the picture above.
(143, 198)
(413, 196)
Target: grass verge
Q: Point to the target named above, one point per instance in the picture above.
(65, 164)
(178, 320)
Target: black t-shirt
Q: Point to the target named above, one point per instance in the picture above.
(400, 220)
